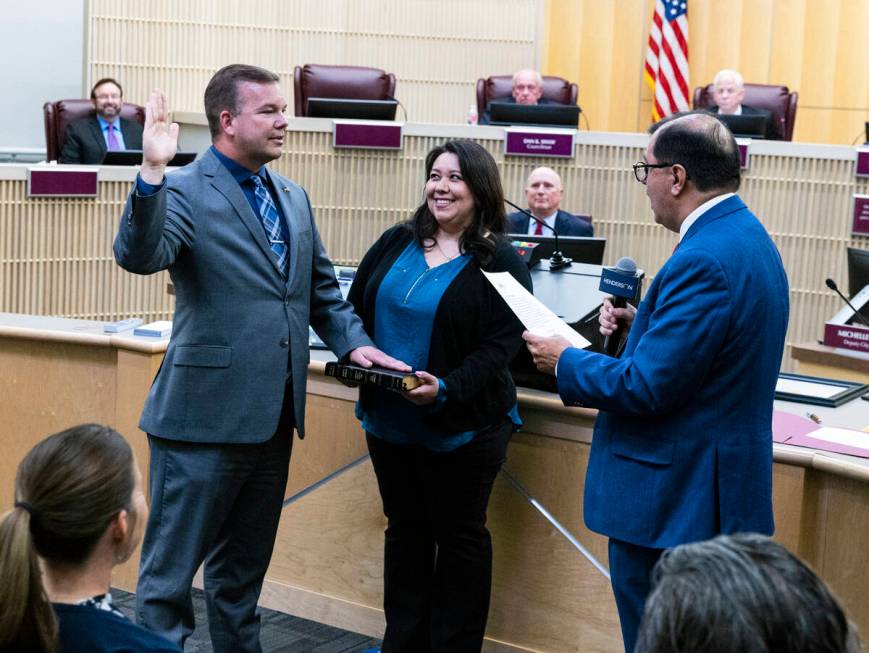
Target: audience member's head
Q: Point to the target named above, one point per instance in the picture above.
(78, 505)
(728, 90)
(527, 86)
(543, 192)
(108, 98)
(741, 593)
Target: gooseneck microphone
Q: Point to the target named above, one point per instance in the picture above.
(557, 260)
(621, 282)
(832, 286)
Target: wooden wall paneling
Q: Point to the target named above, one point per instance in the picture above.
(813, 48)
(46, 387)
(841, 560)
(788, 491)
(435, 58)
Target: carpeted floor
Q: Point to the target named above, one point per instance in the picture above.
(281, 633)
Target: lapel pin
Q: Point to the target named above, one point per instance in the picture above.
(286, 189)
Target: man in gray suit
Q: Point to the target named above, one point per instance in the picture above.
(250, 274)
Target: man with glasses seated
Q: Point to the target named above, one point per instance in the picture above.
(682, 446)
(87, 140)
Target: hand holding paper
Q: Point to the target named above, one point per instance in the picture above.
(537, 318)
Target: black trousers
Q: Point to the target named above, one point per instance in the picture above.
(437, 571)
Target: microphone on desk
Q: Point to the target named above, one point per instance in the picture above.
(832, 286)
(557, 260)
(621, 282)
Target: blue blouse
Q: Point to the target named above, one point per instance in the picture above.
(406, 303)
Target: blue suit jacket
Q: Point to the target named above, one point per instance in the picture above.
(239, 326)
(566, 224)
(682, 447)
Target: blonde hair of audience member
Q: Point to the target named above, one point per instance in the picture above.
(737, 593)
(79, 506)
(728, 90)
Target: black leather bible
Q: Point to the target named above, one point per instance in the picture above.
(354, 375)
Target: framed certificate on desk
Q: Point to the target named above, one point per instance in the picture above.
(816, 390)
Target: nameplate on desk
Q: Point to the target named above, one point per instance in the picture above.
(61, 181)
(847, 336)
(367, 134)
(861, 216)
(861, 165)
(537, 141)
(743, 145)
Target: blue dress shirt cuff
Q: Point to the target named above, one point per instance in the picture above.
(143, 188)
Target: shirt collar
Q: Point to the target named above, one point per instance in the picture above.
(700, 210)
(104, 124)
(238, 171)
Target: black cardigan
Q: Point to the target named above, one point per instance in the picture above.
(474, 336)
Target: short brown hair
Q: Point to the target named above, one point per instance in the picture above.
(105, 80)
(221, 94)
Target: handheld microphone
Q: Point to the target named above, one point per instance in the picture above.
(621, 282)
(557, 260)
(832, 286)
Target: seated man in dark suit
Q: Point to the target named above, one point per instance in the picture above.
(544, 192)
(527, 89)
(87, 140)
(728, 91)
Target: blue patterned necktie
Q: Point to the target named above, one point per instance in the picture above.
(268, 213)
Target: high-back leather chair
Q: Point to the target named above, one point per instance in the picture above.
(59, 115)
(344, 82)
(778, 100)
(556, 89)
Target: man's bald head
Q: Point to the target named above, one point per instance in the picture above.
(703, 145)
(543, 191)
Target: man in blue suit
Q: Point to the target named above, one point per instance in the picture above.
(682, 446)
(250, 274)
(544, 191)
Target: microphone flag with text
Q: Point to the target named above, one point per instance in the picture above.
(620, 282)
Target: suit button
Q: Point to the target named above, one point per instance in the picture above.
(285, 343)
(286, 301)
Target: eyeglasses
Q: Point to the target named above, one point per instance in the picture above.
(641, 169)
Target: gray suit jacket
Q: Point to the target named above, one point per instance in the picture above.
(84, 142)
(239, 327)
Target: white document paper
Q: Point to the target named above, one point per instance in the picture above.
(538, 319)
(807, 388)
(847, 437)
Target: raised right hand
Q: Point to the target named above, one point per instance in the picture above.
(609, 316)
(159, 139)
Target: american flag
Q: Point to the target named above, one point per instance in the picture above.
(666, 70)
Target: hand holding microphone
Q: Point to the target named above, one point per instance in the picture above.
(610, 315)
(621, 281)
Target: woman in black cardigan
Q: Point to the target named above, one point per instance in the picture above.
(437, 449)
